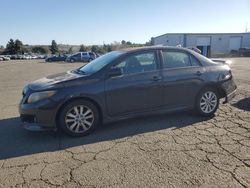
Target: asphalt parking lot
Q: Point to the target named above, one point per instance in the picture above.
(174, 150)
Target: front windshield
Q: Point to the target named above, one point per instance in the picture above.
(99, 63)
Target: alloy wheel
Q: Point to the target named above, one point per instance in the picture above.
(79, 119)
(208, 102)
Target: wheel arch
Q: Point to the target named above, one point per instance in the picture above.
(75, 99)
(220, 91)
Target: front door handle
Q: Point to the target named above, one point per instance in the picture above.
(198, 73)
(156, 78)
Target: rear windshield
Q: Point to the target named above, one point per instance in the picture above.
(202, 58)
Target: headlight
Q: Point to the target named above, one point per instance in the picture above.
(25, 90)
(226, 75)
(34, 97)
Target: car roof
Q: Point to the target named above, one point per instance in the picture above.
(135, 49)
(202, 59)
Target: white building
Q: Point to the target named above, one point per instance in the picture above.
(211, 44)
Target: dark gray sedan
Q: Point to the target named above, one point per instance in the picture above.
(124, 84)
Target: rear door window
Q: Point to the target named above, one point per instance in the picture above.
(194, 62)
(78, 55)
(175, 59)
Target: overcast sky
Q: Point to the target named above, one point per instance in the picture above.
(104, 21)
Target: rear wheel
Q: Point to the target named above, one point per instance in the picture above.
(90, 59)
(72, 60)
(79, 118)
(207, 102)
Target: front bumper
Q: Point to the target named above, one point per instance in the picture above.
(37, 127)
(38, 116)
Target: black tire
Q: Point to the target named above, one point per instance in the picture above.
(66, 109)
(199, 104)
(72, 60)
(90, 59)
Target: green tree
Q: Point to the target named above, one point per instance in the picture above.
(18, 47)
(109, 48)
(2, 49)
(128, 43)
(54, 47)
(40, 50)
(26, 49)
(150, 42)
(123, 42)
(83, 48)
(70, 51)
(94, 48)
(10, 47)
(101, 50)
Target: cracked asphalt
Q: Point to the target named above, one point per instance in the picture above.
(172, 150)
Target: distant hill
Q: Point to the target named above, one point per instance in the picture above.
(65, 47)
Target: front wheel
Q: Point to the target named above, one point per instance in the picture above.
(79, 118)
(207, 102)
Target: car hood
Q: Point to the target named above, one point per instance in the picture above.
(54, 81)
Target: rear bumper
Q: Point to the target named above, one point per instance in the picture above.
(229, 97)
(230, 89)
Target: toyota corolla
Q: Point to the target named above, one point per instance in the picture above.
(124, 84)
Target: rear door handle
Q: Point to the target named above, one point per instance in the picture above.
(198, 73)
(156, 78)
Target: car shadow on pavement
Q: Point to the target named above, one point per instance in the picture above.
(16, 142)
(243, 104)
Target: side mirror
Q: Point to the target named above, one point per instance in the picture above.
(115, 71)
